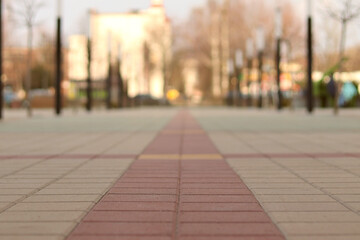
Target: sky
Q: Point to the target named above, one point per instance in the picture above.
(75, 12)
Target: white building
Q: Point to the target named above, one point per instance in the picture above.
(191, 76)
(78, 57)
(141, 38)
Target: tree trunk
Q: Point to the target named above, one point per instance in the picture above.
(341, 56)
(225, 48)
(28, 75)
(215, 54)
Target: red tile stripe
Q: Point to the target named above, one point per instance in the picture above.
(175, 199)
(166, 151)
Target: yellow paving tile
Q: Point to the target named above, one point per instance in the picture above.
(201, 157)
(160, 157)
(186, 132)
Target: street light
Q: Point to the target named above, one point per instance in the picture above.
(239, 63)
(108, 80)
(260, 44)
(119, 78)
(231, 73)
(58, 97)
(249, 56)
(1, 63)
(278, 35)
(88, 81)
(309, 97)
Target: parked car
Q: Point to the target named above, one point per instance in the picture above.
(145, 100)
(231, 97)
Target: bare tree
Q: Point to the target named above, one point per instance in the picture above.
(159, 35)
(217, 29)
(343, 11)
(25, 12)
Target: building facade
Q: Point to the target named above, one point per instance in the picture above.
(141, 39)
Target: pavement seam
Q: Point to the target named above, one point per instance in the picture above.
(94, 157)
(70, 232)
(177, 218)
(310, 183)
(232, 133)
(47, 184)
(238, 176)
(300, 177)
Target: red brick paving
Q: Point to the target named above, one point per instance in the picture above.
(178, 199)
(186, 150)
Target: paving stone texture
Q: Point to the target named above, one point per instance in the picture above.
(213, 173)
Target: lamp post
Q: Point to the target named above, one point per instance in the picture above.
(239, 62)
(260, 44)
(309, 97)
(119, 78)
(231, 72)
(249, 56)
(1, 63)
(58, 97)
(108, 80)
(278, 35)
(88, 81)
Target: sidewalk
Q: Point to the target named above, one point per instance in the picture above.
(174, 174)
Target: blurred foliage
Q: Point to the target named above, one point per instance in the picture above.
(42, 78)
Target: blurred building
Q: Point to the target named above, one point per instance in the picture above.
(142, 39)
(78, 58)
(191, 77)
(42, 65)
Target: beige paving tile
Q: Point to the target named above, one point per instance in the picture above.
(11, 180)
(33, 176)
(287, 191)
(326, 175)
(10, 198)
(17, 191)
(33, 228)
(4, 206)
(338, 191)
(303, 207)
(20, 185)
(294, 198)
(87, 191)
(278, 185)
(354, 205)
(348, 198)
(339, 185)
(62, 206)
(273, 180)
(264, 175)
(78, 185)
(41, 216)
(63, 198)
(333, 180)
(86, 180)
(355, 171)
(34, 237)
(321, 228)
(325, 216)
(324, 237)
(95, 175)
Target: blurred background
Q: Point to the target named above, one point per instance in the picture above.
(244, 53)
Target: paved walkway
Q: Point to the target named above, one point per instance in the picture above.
(181, 174)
